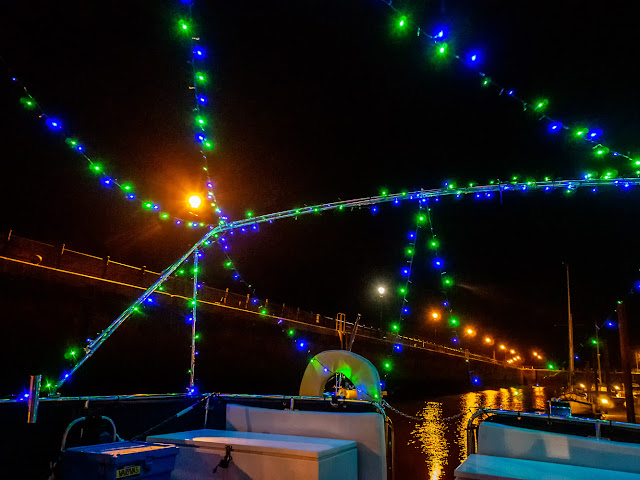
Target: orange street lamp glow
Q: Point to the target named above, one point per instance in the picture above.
(470, 331)
(195, 201)
(488, 339)
(435, 315)
(512, 351)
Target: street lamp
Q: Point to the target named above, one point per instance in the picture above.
(381, 291)
(194, 201)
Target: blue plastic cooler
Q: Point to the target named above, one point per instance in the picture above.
(120, 460)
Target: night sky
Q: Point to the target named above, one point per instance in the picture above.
(315, 101)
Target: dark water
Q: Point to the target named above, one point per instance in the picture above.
(432, 448)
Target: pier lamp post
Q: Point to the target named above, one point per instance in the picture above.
(381, 291)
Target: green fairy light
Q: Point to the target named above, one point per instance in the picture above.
(594, 341)
(387, 365)
(551, 366)
(486, 82)
(600, 151)
(442, 48)
(72, 142)
(263, 311)
(402, 22)
(447, 281)
(183, 26)
(408, 251)
(454, 321)
(201, 121)
(249, 214)
(402, 290)
(291, 332)
(127, 187)
(27, 102)
(164, 215)
(197, 336)
(433, 244)
(201, 77)
(180, 272)
(147, 205)
(192, 303)
(395, 327)
(422, 218)
(96, 167)
(228, 264)
(580, 132)
(541, 104)
(384, 192)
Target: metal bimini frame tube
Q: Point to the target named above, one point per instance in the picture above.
(91, 348)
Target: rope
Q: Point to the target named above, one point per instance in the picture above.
(419, 419)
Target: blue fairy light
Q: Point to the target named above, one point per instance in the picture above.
(405, 271)
(474, 57)
(475, 380)
(397, 347)
(510, 92)
(438, 262)
(54, 124)
(405, 310)
(595, 133)
(202, 100)
(555, 127)
(374, 209)
(198, 52)
(106, 181)
(412, 235)
(301, 344)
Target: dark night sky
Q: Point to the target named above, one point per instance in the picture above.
(314, 101)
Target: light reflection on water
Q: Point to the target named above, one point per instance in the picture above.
(441, 442)
(430, 435)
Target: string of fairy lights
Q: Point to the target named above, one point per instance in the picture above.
(96, 167)
(199, 84)
(405, 272)
(237, 226)
(471, 59)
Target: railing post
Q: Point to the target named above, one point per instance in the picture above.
(106, 264)
(34, 394)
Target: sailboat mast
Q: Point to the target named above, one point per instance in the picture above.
(571, 354)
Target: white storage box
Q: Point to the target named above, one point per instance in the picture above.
(257, 456)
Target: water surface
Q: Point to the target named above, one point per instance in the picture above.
(432, 448)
